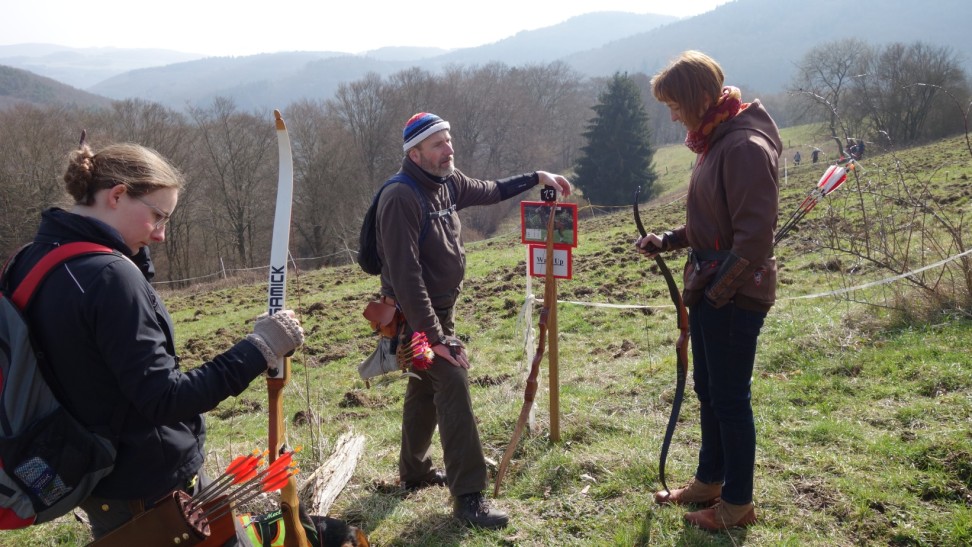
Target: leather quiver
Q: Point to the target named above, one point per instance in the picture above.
(172, 521)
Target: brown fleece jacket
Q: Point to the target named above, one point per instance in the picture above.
(427, 276)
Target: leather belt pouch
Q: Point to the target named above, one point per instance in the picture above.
(384, 318)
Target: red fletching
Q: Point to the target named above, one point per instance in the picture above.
(235, 464)
(422, 354)
(243, 462)
(279, 482)
(243, 477)
(276, 475)
(284, 460)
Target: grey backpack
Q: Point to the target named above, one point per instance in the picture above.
(49, 461)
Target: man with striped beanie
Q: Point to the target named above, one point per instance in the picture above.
(419, 127)
(423, 263)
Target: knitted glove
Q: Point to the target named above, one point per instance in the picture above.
(276, 335)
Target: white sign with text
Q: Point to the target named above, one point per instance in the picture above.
(562, 262)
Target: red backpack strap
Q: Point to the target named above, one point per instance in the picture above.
(51, 260)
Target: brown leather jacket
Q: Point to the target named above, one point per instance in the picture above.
(731, 214)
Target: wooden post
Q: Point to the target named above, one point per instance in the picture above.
(552, 357)
(550, 302)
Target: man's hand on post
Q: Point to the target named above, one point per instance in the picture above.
(557, 181)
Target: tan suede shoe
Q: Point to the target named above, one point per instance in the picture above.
(697, 492)
(723, 516)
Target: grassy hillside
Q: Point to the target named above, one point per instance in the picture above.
(863, 418)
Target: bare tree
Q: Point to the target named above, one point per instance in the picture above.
(237, 169)
(328, 200)
(410, 91)
(364, 109)
(35, 142)
(557, 104)
(888, 95)
(825, 76)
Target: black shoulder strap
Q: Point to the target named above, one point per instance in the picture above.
(427, 213)
(423, 199)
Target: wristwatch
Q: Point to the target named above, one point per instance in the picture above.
(452, 343)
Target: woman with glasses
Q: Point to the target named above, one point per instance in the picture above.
(109, 338)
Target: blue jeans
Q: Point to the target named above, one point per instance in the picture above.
(723, 352)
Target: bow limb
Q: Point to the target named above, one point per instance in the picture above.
(530, 391)
(278, 374)
(681, 347)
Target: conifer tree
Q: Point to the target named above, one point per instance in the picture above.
(618, 154)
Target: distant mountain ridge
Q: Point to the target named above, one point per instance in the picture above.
(84, 67)
(262, 81)
(581, 33)
(758, 42)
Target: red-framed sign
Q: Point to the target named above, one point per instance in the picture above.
(533, 223)
(563, 262)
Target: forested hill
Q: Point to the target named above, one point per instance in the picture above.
(21, 86)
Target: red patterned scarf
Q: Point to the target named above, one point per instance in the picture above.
(726, 108)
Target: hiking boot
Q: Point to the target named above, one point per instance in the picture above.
(723, 516)
(474, 509)
(696, 493)
(435, 478)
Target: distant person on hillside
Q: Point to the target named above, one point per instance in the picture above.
(109, 339)
(730, 277)
(422, 277)
(815, 155)
(796, 158)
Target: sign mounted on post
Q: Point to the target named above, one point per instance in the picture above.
(533, 224)
(563, 262)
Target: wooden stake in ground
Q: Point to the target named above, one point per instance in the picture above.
(550, 295)
(530, 391)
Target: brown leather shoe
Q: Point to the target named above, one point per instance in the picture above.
(723, 516)
(696, 493)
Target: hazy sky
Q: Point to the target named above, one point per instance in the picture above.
(243, 27)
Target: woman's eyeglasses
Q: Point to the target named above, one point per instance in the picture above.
(161, 217)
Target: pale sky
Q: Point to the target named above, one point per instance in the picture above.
(244, 27)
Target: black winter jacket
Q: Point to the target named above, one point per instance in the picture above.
(110, 341)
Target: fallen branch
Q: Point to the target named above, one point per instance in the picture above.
(325, 484)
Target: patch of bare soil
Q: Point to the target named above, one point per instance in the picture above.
(488, 381)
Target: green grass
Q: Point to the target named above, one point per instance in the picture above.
(864, 434)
